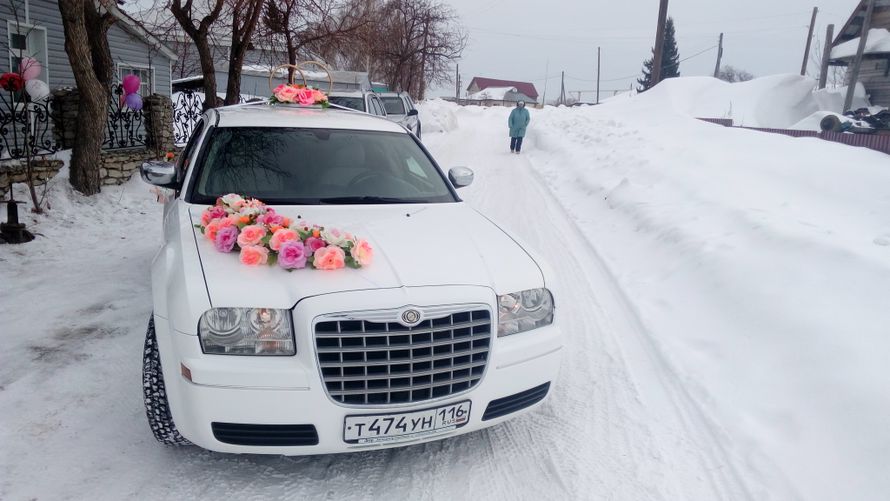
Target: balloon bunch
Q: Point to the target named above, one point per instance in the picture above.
(131, 87)
(29, 70)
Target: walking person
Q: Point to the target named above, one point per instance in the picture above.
(518, 122)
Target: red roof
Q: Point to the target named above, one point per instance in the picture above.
(524, 87)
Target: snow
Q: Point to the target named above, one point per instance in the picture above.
(723, 296)
(492, 93)
(813, 122)
(878, 42)
(776, 101)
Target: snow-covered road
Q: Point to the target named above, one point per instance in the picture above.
(627, 420)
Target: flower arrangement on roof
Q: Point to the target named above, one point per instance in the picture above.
(299, 94)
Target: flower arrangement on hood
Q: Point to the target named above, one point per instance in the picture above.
(299, 94)
(262, 236)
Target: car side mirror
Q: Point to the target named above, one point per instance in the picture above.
(460, 176)
(159, 173)
(413, 113)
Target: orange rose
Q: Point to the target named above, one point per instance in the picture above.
(254, 255)
(329, 258)
(251, 235)
(281, 236)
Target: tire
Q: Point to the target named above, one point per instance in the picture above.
(155, 392)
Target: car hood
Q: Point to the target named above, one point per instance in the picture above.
(414, 246)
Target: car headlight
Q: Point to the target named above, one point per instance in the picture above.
(246, 331)
(524, 311)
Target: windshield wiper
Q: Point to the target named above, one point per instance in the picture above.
(370, 200)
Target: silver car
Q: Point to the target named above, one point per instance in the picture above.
(359, 100)
(400, 109)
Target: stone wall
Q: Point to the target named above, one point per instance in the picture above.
(16, 172)
(119, 165)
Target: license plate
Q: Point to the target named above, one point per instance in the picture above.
(379, 428)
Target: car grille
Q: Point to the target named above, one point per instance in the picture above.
(366, 362)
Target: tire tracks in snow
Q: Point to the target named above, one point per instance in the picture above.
(686, 436)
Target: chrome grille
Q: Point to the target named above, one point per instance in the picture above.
(367, 362)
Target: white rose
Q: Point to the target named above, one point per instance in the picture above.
(333, 236)
(231, 199)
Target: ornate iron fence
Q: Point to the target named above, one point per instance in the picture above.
(24, 128)
(124, 126)
(188, 106)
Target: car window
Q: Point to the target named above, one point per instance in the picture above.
(375, 105)
(185, 158)
(356, 103)
(408, 103)
(314, 166)
(394, 105)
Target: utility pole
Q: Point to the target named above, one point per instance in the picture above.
(562, 90)
(826, 56)
(719, 57)
(659, 42)
(806, 52)
(546, 79)
(599, 53)
(857, 63)
(457, 82)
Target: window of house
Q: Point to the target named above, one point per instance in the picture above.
(146, 77)
(25, 40)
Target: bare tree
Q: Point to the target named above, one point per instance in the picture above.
(732, 74)
(244, 14)
(197, 26)
(313, 28)
(86, 25)
(415, 43)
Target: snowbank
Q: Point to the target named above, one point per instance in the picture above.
(437, 115)
(777, 101)
(813, 122)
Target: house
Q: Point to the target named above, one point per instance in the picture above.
(255, 80)
(504, 91)
(874, 74)
(34, 28)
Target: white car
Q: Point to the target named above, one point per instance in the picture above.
(400, 109)
(359, 100)
(449, 330)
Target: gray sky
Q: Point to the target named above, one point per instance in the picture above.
(515, 40)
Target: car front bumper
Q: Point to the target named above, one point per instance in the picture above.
(290, 391)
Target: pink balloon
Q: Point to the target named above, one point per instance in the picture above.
(134, 101)
(29, 68)
(131, 84)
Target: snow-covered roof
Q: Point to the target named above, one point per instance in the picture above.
(493, 93)
(878, 42)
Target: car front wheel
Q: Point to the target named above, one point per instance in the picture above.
(155, 392)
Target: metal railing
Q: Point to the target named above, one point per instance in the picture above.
(24, 127)
(124, 126)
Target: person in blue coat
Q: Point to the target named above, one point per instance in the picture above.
(518, 122)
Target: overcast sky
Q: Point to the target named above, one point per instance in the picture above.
(515, 40)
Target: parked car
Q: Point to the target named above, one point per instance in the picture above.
(359, 100)
(400, 109)
(449, 330)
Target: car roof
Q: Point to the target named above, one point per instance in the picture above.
(285, 115)
(348, 93)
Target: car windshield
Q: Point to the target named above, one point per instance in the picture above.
(356, 103)
(291, 166)
(394, 105)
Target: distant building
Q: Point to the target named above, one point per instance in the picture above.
(503, 91)
(874, 74)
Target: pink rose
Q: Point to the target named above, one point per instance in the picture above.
(305, 96)
(292, 255)
(254, 255)
(271, 218)
(210, 230)
(313, 244)
(281, 236)
(287, 94)
(329, 258)
(362, 252)
(251, 235)
(211, 213)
